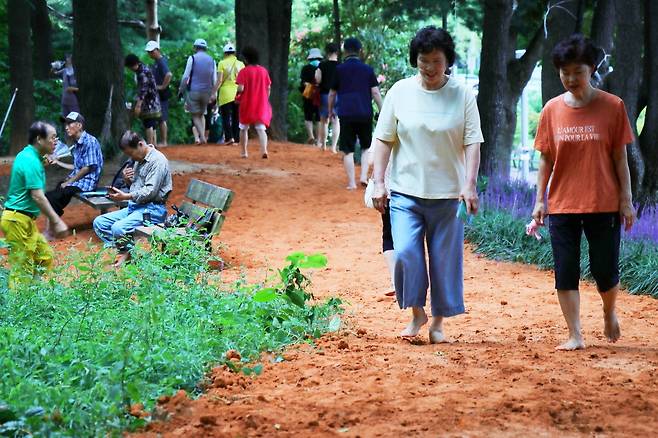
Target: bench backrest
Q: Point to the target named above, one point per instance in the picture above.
(216, 201)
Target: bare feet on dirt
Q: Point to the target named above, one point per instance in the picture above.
(418, 320)
(573, 343)
(121, 259)
(612, 331)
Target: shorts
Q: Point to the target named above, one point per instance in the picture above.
(196, 102)
(257, 126)
(151, 123)
(311, 112)
(324, 105)
(164, 108)
(387, 236)
(603, 233)
(350, 131)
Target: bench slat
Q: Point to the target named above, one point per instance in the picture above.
(209, 194)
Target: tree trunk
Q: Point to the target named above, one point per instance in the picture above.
(20, 72)
(625, 81)
(649, 136)
(98, 59)
(562, 22)
(337, 32)
(41, 36)
(603, 26)
(153, 29)
(493, 90)
(266, 26)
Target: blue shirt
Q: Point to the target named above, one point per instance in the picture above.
(87, 153)
(160, 70)
(353, 83)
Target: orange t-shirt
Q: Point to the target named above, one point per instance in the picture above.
(580, 143)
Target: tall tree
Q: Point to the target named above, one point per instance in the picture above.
(42, 38)
(336, 21)
(566, 17)
(20, 71)
(265, 24)
(99, 64)
(649, 135)
(153, 29)
(502, 80)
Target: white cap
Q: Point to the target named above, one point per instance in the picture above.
(151, 46)
(229, 48)
(200, 42)
(314, 53)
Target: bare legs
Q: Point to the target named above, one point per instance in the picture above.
(390, 263)
(150, 136)
(199, 122)
(311, 138)
(324, 133)
(163, 133)
(348, 163)
(570, 305)
(262, 141)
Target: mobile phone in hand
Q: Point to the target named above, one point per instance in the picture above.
(462, 212)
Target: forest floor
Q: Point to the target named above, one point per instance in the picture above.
(499, 377)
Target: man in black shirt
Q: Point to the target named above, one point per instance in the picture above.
(324, 76)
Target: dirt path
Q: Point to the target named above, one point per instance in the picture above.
(500, 377)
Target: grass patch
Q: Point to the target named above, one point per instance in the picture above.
(500, 235)
(80, 347)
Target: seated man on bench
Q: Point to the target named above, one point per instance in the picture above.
(85, 170)
(150, 185)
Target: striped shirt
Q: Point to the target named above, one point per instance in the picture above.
(152, 181)
(87, 153)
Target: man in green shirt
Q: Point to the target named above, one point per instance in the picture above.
(25, 200)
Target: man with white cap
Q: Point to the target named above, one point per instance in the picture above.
(227, 70)
(85, 170)
(308, 88)
(200, 82)
(162, 76)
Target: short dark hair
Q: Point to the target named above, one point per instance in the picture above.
(428, 39)
(250, 55)
(37, 129)
(131, 60)
(331, 48)
(352, 45)
(130, 139)
(575, 49)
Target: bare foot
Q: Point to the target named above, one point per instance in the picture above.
(351, 187)
(419, 319)
(437, 337)
(572, 344)
(611, 330)
(244, 156)
(120, 259)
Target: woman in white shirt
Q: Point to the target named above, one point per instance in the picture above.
(430, 127)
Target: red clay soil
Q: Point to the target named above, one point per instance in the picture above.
(499, 377)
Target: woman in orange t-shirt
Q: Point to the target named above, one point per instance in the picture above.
(582, 136)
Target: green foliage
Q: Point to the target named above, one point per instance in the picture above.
(500, 236)
(87, 342)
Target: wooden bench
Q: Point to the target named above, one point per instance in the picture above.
(98, 201)
(205, 208)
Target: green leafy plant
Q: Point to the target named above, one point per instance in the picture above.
(86, 342)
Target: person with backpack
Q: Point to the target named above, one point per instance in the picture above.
(227, 70)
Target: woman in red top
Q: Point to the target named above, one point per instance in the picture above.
(254, 85)
(582, 136)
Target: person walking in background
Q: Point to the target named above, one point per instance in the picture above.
(255, 110)
(309, 101)
(162, 77)
(199, 82)
(28, 249)
(86, 168)
(430, 129)
(69, 86)
(325, 76)
(150, 184)
(227, 71)
(582, 136)
(147, 102)
(355, 86)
